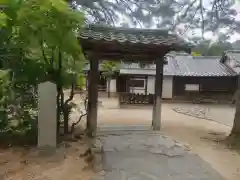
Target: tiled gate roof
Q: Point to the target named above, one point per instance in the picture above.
(133, 35)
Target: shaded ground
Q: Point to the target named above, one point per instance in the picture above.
(22, 164)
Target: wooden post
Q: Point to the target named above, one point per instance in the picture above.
(92, 97)
(156, 118)
(146, 85)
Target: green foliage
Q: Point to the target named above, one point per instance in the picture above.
(38, 37)
(72, 71)
(208, 48)
(109, 67)
(3, 18)
(51, 24)
(4, 97)
(81, 81)
(196, 54)
(47, 31)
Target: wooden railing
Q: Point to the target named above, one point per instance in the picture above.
(130, 98)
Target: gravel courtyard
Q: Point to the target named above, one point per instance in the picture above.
(197, 133)
(151, 156)
(142, 115)
(194, 132)
(178, 123)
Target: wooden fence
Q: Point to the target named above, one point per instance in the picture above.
(130, 98)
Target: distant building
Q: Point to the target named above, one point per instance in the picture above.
(184, 77)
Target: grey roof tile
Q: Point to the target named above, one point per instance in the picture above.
(200, 66)
(134, 36)
(181, 65)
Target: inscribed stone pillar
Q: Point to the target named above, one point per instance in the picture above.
(47, 115)
(156, 119)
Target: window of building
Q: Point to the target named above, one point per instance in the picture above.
(139, 83)
(191, 87)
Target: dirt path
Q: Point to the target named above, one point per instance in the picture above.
(197, 133)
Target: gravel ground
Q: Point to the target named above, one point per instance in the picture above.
(151, 156)
(20, 164)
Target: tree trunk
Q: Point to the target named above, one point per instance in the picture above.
(236, 123)
(58, 115)
(59, 94)
(108, 87)
(67, 110)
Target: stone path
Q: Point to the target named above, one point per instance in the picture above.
(195, 111)
(150, 156)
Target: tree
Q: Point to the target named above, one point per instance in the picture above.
(19, 100)
(210, 48)
(38, 43)
(236, 45)
(51, 26)
(136, 12)
(109, 68)
(207, 15)
(4, 98)
(235, 132)
(236, 123)
(196, 54)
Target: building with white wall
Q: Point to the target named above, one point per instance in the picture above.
(142, 81)
(183, 75)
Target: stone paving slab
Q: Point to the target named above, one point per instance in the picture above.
(151, 156)
(114, 128)
(194, 111)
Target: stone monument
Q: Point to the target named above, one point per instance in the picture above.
(47, 115)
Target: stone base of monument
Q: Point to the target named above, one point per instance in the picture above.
(47, 151)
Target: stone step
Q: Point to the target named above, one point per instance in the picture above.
(123, 128)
